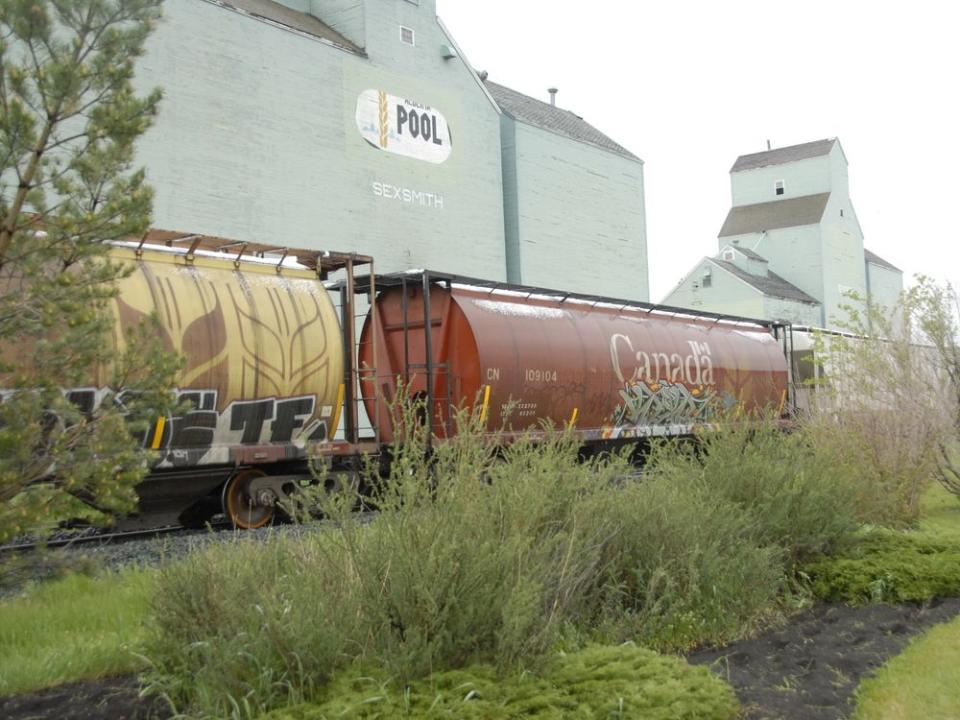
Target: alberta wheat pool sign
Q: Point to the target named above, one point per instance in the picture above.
(402, 126)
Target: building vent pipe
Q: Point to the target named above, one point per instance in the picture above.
(553, 96)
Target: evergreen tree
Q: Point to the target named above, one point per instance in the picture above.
(69, 118)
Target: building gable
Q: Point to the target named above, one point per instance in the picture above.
(875, 259)
(531, 111)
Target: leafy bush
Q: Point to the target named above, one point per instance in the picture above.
(684, 567)
(799, 493)
(495, 556)
(615, 682)
(887, 566)
(474, 556)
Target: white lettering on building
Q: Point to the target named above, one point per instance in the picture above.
(419, 198)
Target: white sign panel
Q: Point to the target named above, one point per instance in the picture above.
(402, 126)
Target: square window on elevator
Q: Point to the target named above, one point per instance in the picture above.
(406, 35)
(778, 187)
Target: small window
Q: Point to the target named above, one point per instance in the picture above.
(729, 255)
(841, 212)
(778, 187)
(706, 281)
(406, 35)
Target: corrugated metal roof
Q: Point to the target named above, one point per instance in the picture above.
(779, 156)
(282, 15)
(772, 284)
(872, 257)
(805, 210)
(549, 117)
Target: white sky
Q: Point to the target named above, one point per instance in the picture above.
(689, 86)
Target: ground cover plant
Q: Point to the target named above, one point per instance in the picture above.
(887, 565)
(76, 628)
(922, 683)
(616, 682)
(497, 558)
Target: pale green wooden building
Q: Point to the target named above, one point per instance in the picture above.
(791, 247)
(359, 125)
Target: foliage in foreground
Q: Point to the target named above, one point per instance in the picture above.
(919, 684)
(890, 394)
(76, 628)
(68, 125)
(614, 682)
(799, 491)
(497, 558)
(887, 566)
(884, 565)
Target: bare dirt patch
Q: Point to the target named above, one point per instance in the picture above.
(807, 670)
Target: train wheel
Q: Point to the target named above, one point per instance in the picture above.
(240, 502)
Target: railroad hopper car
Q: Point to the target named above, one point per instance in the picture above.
(274, 373)
(263, 376)
(613, 370)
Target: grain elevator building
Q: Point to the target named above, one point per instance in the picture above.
(791, 247)
(359, 125)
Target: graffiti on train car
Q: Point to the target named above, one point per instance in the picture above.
(662, 388)
(187, 439)
(663, 403)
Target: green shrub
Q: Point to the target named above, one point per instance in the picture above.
(613, 682)
(799, 493)
(493, 556)
(684, 567)
(887, 566)
(473, 557)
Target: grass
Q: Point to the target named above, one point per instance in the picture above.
(597, 682)
(73, 629)
(940, 514)
(922, 683)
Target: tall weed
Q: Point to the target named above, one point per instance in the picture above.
(684, 567)
(480, 553)
(799, 493)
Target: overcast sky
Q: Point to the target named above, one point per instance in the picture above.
(689, 86)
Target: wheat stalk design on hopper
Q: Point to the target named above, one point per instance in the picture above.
(383, 119)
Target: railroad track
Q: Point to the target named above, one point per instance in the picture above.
(103, 538)
(121, 536)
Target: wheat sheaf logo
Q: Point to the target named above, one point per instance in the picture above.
(403, 126)
(245, 338)
(384, 122)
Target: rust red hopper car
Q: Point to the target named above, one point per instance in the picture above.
(612, 369)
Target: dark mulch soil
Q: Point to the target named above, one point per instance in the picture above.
(807, 670)
(110, 699)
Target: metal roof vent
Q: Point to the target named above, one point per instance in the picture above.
(553, 96)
